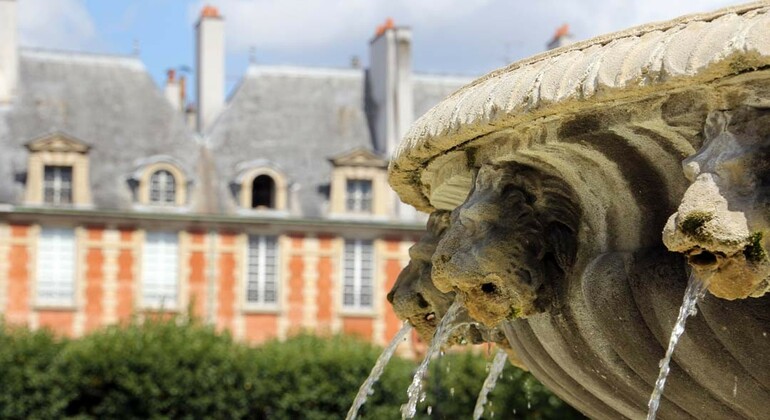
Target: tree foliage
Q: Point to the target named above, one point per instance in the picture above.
(181, 369)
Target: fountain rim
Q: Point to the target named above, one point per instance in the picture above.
(503, 99)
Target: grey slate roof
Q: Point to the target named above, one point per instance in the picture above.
(289, 118)
(297, 118)
(107, 102)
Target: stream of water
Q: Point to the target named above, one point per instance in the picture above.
(495, 370)
(443, 331)
(696, 288)
(366, 388)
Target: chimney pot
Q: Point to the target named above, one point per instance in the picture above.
(210, 12)
(171, 74)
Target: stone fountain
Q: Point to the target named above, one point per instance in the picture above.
(572, 192)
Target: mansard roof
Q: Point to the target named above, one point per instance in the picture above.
(109, 103)
(298, 118)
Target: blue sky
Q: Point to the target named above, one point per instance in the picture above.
(467, 37)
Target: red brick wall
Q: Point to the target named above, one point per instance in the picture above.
(17, 308)
(94, 290)
(125, 279)
(296, 282)
(227, 284)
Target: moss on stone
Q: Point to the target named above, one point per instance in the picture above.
(754, 251)
(694, 222)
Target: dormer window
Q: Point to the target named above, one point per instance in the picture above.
(359, 195)
(162, 188)
(258, 185)
(263, 192)
(57, 172)
(358, 185)
(159, 182)
(57, 184)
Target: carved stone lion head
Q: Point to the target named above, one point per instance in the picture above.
(414, 297)
(515, 232)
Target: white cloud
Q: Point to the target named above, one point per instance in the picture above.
(60, 24)
(469, 36)
(312, 23)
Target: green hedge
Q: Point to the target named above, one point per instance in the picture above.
(174, 369)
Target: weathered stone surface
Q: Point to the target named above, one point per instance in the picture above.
(415, 299)
(723, 217)
(515, 232)
(605, 126)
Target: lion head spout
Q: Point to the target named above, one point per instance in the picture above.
(514, 233)
(414, 297)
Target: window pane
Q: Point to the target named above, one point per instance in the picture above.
(358, 274)
(359, 195)
(262, 275)
(56, 266)
(57, 184)
(160, 269)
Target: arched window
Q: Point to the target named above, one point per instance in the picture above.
(263, 192)
(162, 188)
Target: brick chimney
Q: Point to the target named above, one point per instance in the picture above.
(561, 37)
(390, 85)
(210, 70)
(9, 51)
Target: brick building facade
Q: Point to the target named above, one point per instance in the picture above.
(268, 215)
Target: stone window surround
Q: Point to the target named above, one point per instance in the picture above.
(57, 150)
(338, 193)
(143, 196)
(262, 307)
(247, 179)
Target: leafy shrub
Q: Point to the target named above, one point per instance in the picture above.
(26, 388)
(315, 378)
(181, 369)
(157, 369)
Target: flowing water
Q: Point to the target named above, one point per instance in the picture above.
(696, 288)
(495, 370)
(366, 388)
(440, 337)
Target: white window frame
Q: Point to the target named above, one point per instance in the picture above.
(160, 278)
(358, 200)
(257, 275)
(58, 185)
(356, 276)
(162, 188)
(56, 267)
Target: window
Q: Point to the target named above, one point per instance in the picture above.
(159, 270)
(57, 184)
(359, 195)
(57, 172)
(263, 192)
(262, 275)
(359, 270)
(56, 267)
(162, 188)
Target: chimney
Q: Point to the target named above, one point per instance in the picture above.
(173, 90)
(9, 51)
(210, 67)
(390, 85)
(182, 92)
(561, 37)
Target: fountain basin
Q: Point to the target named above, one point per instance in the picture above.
(561, 172)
